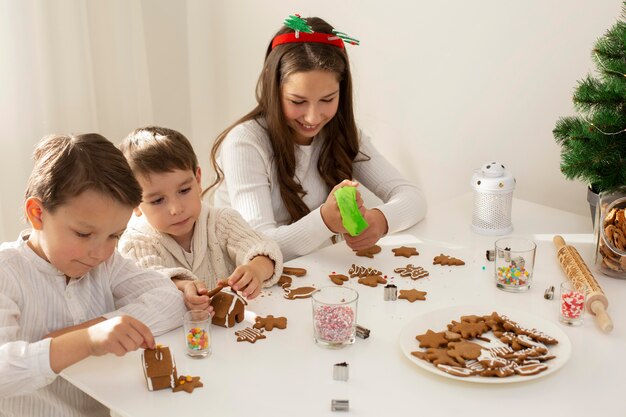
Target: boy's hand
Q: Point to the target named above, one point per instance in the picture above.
(196, 298)
(249, 278)
(119, 335)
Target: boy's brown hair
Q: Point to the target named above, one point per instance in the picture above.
(68, 165)
(156, 149)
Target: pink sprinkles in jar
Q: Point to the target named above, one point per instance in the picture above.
(572, 304)
(334, 323)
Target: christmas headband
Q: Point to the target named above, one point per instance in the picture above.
(304, 33)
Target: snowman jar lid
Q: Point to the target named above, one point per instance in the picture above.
(493, 177)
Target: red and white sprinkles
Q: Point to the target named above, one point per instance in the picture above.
(572, 304)
(334, 323)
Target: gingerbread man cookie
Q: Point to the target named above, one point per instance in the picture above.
(405, 251)
(412, 271)
(268, 323)
(412, 295)
(447, 260)
(369, 252)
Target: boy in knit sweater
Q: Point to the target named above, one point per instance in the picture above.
(175, 232)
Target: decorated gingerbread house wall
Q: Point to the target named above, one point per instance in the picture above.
(229, 308)
(159, 368)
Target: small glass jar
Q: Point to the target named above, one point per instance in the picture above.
(610, 233)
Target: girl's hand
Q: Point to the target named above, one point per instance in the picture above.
(249, 278)
(195, 296)
(330, 210)
(118, 335)
(377, 228)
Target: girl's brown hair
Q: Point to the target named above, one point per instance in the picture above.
(341, 142)
(68, 165)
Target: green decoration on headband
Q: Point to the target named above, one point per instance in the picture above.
(346, 38)
(298, 24)
(351, 217)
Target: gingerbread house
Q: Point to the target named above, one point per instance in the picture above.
(229, 308)
(159, 368)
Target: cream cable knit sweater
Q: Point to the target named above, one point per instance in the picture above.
(251, 187)
(221, 241)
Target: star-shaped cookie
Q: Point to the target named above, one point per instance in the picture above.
(187, 383)
(405, 251)
(432, 339)
(412, 295)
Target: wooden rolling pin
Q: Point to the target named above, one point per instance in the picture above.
(578, 272)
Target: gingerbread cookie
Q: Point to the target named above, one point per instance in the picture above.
(249, 334)
(468, 330)
(187, 383)
(438, 356)
(405, 251)
(369, 252)
(268, 323)
(361, 271)
(372, 280)
(301, 292)
(464, 350)
(447, 260)
(432, 339)
(412, 295)
(338, 279)
(285, 281)
(412, 271)
(298, 272)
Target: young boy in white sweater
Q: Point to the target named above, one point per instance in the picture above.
(176, 233)
(65, 293)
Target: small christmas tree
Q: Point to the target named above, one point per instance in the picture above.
(298, 24)
(593, 144)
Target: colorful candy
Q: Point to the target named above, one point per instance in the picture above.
(334, 323)
(197, 339)
(513, 274)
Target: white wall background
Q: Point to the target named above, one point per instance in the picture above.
(440, 86)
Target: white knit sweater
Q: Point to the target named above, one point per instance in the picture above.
(250, 185)
(221, 241)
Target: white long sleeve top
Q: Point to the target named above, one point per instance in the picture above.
(35, 300)
(221, 240)
(251, 186)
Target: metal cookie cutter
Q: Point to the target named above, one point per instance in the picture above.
(549, 294)
(490, 254)
(339, 405)
(391, 292)
(362, 332)
(340, 371)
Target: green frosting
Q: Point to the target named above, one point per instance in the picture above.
(351, 217)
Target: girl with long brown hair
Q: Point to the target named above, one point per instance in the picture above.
(279, 164)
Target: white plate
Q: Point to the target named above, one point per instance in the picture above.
(438, 319)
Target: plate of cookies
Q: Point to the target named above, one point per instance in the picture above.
(485, 346)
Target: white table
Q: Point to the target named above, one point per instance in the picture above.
(288, 374)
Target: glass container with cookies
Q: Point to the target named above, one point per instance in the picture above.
(610, 233)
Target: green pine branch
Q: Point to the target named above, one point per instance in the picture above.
(593, 144)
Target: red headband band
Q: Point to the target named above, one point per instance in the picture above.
(315, 37)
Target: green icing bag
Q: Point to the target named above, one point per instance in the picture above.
(351, 217)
